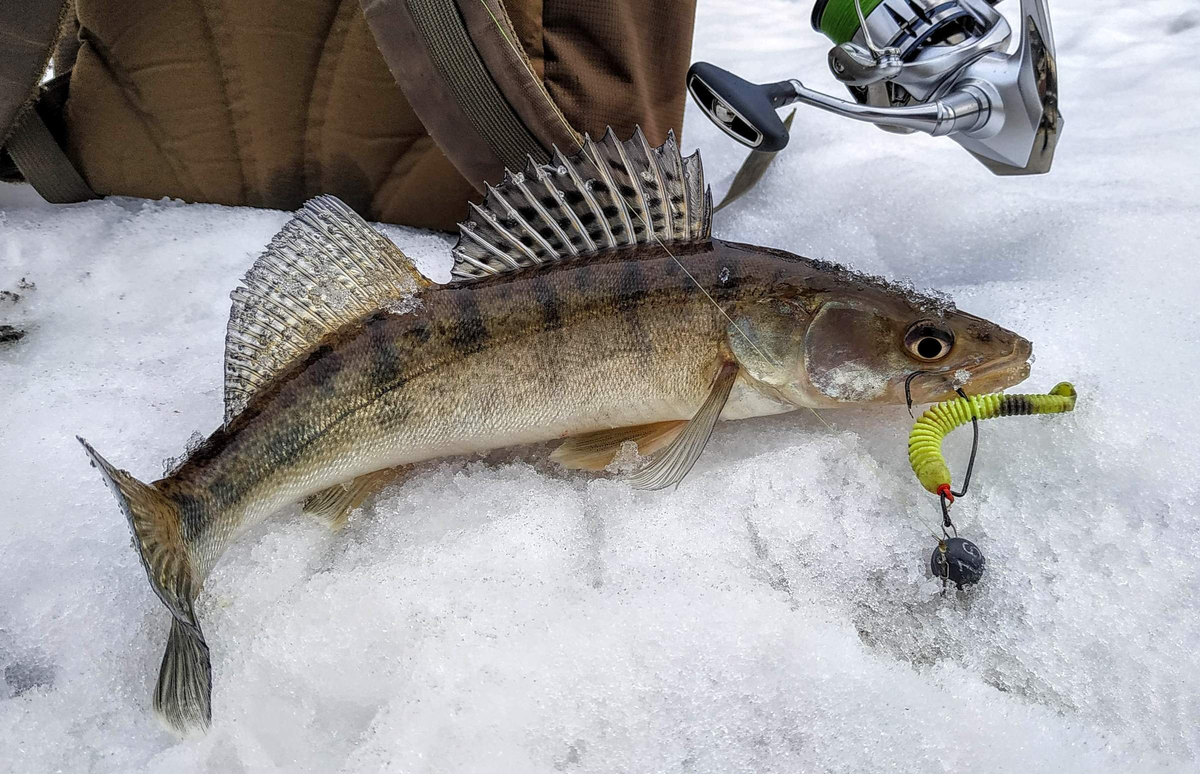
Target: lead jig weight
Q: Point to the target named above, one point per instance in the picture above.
(957, 560)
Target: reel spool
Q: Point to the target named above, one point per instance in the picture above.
(933, 66)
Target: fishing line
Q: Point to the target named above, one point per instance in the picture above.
(523, 59)
(974, 447)
(713, 301)
(649, 230)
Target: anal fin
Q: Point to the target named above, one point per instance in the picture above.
(596, 451)
(668, 466)
(333, 505)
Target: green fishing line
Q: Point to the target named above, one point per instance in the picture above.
(838, 19)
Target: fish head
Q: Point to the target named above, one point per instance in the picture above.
(862, 350)
(853, 340)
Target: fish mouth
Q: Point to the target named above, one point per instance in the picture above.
(994, 376)
(1004, 372)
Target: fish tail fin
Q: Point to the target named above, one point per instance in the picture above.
(182, 698)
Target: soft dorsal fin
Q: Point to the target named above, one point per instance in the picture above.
(326, 268)
(610, 195)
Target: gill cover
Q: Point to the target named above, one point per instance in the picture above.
(845, 351)
(849, 353)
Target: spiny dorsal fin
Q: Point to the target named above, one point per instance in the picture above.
(610, 195)
(326, 268)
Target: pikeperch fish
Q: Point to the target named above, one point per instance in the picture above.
(589, 303)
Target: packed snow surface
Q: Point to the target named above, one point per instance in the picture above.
(774, 614)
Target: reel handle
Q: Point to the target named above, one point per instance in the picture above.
(964, 110)
(746, 111)
(743, 110)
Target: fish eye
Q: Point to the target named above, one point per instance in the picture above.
(928, 341)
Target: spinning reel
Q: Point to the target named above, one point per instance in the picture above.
(935, 66)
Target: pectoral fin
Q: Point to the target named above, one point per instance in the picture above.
(668, 466)
(333, 505)
(596, 451)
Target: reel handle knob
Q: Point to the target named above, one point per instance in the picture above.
(743, 110)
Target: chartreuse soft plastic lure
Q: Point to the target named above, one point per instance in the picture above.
(955, 558)
(925, 440)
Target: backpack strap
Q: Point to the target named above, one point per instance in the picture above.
(43, 163)
(463, 70)
(500, 47)
(29, 34)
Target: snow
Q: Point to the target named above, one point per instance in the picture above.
(772, 615)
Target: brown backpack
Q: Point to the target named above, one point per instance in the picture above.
(402, 108)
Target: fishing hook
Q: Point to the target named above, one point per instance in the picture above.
(908, 388)
(974, 445)
(974, 426)
(957, 558)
